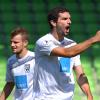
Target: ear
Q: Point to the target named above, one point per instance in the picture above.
(53, 23)
(25, 43)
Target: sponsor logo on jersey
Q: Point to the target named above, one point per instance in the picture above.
(21, 81)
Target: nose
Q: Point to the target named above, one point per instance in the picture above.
(69, 21)
(12, 44)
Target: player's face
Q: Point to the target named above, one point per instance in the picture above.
(63, 23)
(17, 44)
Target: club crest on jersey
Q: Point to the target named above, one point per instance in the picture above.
(27, 68)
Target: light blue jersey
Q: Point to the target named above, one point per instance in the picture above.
(20, 71)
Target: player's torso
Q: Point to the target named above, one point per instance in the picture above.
(22, 71)
(52, 81)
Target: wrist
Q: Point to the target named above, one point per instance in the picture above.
(93, 40)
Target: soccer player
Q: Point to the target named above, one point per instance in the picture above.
(56, 57)
(20, 68)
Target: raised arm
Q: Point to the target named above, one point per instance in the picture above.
(77, 49)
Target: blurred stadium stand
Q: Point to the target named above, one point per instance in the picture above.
(32, 15)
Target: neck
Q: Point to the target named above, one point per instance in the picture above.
(57, 36)
(22, 53)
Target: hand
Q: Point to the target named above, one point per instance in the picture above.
(97, 36)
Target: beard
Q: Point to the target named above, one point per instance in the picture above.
(62, 31)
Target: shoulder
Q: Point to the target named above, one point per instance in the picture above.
(12, 60)
(13, 57)
(69, 42)
(30, 55)
(44, 40)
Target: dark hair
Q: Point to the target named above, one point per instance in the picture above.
(20, 31)
(54, 14)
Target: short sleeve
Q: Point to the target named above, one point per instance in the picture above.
(76, 61)
(46, 46)
(9, 76)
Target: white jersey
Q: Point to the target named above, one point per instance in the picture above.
(20, 71)
(54, 78)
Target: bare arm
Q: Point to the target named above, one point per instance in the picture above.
(83, 82)
(74, 50)
(6, 90)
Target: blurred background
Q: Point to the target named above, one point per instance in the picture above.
(32, 15)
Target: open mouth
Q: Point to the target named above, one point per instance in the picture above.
(67, 27)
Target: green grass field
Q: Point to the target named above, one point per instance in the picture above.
(78, 93)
